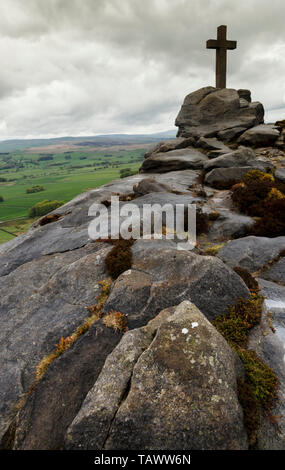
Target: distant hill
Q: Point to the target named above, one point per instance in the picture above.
(98, 140)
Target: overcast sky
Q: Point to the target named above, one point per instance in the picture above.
(85, 67)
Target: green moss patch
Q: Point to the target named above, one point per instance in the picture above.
(258, 392)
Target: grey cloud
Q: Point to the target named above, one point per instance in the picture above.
(79, 66)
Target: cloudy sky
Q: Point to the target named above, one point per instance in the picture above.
(85, 67)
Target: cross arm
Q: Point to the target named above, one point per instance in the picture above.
(216, 44)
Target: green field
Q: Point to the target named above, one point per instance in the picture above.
(63, 177)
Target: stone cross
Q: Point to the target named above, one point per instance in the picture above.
(221, 44)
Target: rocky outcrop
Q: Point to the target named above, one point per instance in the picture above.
(210, 111)
(187, 367)
(170, 381)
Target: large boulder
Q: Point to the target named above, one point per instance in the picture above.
(251, 252)
(209, 111)
(182, 159)
(260, 136)
(162, 276)
(177, 391)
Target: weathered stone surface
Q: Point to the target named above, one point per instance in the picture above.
(280, 175)
(150, 185)
(90, 428)
(182, 392)
(229, 135)
(241, 157)
(270, 347)
(173, 181)
(276, 273)
(177, 180)
(42, 422)
(221, 178)
(245, 94)
(261, 135)
(229, 225)
(213, 144)
(48, 304)
(208, 111)
(251, 252)
(174, 160)
(169, 145)
(162, 276)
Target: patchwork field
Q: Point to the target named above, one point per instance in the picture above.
(61, 175)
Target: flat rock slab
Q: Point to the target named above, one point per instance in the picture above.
(238, 158)
(222, 178)
(213, 144)
(183, 159)
(260, 136)
(168, 145)
(251, 252)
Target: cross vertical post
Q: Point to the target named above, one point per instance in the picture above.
(221, 44)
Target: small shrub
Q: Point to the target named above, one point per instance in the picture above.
(1, 199)
(259, 195)
(274, 193)
(127, 172)
(116, 320)
(35, 189)
(256, 175)
(44, 207)
(272, 223)
(119, 259)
